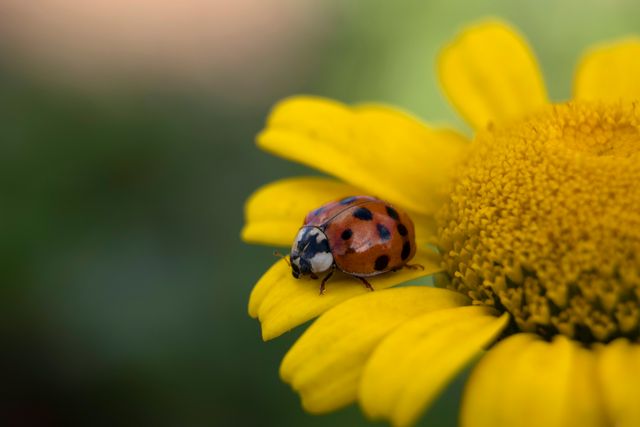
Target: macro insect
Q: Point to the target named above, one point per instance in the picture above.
(360, 235)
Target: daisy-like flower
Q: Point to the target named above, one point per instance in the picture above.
(537, 225)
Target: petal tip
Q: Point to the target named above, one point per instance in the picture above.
(244, 235)
(490, 74)
(268, 333)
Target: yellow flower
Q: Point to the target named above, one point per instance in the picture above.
(537, 222)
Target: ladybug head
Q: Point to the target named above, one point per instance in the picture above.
(310, 253)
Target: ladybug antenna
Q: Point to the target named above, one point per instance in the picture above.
(284, 257)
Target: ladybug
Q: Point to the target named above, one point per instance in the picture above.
(360, 235)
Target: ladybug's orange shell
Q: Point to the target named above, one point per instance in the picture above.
(319, 217)
(367, 236)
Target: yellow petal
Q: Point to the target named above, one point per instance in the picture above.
(282, 302)
(387, 153)
(416, 361)
(585, 407)
(325, 364)
(490, 75)
(619, 375)
(275, 212)
(524, 381)
(610, 72)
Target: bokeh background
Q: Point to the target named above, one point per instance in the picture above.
(126, 153)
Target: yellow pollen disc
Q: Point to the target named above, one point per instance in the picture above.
(544, 221)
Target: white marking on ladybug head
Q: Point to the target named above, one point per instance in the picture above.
(310, 252)
(321, 262)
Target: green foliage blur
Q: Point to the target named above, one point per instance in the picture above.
(124, 281)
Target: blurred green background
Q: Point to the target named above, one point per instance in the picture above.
(124, 172)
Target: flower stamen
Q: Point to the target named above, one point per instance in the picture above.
(544, 221)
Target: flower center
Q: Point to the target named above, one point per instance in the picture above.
(544, 222)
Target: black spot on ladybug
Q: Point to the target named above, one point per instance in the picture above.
(383, 232)
(347, 200)
(402, 230)
(346, 234)
(393, 213)
(381, 262)
(406, 250)
(363, 214)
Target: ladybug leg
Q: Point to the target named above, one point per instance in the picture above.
(414, 266)
(364, 281)
(313, 276)
(324, 280)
